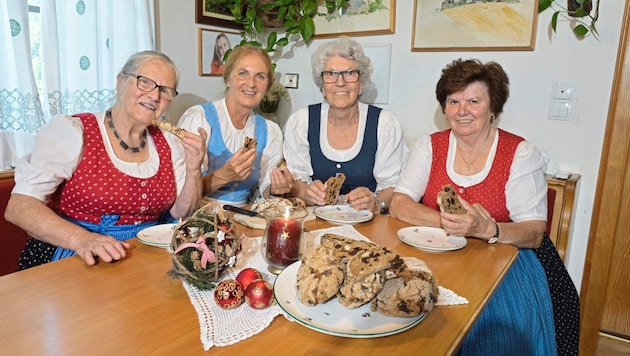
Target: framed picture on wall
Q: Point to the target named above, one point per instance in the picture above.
(358, 18)
(500, 25)
(212, 47)
(208, 13)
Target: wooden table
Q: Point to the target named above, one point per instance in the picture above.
(133, 308)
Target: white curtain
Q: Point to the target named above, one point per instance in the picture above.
(84, 43)
(20, 108)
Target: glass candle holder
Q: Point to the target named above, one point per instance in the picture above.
(283, 236)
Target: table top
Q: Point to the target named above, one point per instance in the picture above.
(133, 306)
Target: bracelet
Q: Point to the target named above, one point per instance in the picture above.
(494, 237)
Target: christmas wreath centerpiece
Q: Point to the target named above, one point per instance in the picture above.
(203, 246)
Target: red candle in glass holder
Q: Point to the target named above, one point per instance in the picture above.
(283, 241)
(283, 234)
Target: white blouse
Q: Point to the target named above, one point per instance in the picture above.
(234, 138)
(58, 148)
(526, 188)
(391, 153)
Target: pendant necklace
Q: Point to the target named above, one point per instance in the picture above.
(468, 164)
(123, 144)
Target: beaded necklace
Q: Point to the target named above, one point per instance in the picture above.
(123, 144)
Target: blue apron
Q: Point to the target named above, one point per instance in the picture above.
(106, 227)
(218, 155)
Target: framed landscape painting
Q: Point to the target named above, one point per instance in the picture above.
(358, 18)
(474, 25)
(208, 13)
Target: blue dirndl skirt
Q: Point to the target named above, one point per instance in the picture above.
(518, 319)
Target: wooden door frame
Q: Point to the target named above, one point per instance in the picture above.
(608, 197)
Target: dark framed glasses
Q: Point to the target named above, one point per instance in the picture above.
(349, 76)
(148, 85)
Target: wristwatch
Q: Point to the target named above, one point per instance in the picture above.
(381, 205)
(494, 237)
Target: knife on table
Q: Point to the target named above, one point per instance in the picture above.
(243, 211)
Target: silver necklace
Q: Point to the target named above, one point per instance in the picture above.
(123, 144)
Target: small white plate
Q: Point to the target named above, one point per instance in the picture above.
(430, 238)
(157, 235)
(342, 214)
(332, 318)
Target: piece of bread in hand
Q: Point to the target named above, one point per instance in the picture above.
(249, 144)
(177, 131)
(282, 165)
(449, 202)
(333, 186)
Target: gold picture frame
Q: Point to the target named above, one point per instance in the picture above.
(209, 43)
(208, 13)
(496, 25)
(360, 18)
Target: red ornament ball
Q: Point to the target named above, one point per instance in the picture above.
(229, 294)
(259, 294)
(247, 275)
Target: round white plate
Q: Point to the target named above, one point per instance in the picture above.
(430, 238)
(157, 235)
(332, 318)
(342, 214)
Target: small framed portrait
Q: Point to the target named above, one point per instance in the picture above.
(212, 47)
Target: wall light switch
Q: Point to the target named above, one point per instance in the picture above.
(559, 110)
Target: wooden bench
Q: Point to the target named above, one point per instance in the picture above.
(13, 238)
(561, 199)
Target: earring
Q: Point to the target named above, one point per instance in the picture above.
(492, 117)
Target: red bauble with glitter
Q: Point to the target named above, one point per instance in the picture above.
(247, 275)
(229, 294)
(259, 294)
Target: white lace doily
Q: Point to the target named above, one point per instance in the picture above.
(244, 321)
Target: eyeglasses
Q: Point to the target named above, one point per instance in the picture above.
(349, 76)
(148, 85)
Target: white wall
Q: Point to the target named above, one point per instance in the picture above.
(574, 145)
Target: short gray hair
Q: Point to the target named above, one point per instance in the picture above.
(138, 59)
(344, 47)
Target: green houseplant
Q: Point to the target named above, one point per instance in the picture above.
(578, 10)
(272, 25)
(262, 20)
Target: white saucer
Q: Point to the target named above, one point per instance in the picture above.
(342, 214)
(430, 238)
(157, 235)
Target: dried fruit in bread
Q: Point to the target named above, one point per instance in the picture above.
(449, 202)
(249, 144)
(177, 131)
(333, 186)
(282, 165)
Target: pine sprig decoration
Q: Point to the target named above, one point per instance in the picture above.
(203, 246)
